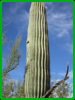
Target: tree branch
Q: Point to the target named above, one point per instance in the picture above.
(48, 93)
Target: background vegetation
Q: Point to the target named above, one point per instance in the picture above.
(13, 89)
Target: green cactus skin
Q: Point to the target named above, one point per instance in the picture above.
(37, 74)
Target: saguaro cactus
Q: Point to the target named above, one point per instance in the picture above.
(37, 73)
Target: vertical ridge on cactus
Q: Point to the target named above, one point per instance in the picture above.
(37, 73)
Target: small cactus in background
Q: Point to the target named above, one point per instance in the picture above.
(37, 71)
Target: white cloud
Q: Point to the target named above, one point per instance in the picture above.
(71, 91)
(58, 21)
(22, 20)
(70, 74)
(61, 74)
(16, 6)
(70, 95)
(46, 7)
(70, 47)
(48, 3)
(52, 80)
(12, 9)
(3, 60)
(71, 84)
(59, 15)
(53, 73)
(64, 32)
(19, 14)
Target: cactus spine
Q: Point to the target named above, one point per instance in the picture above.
(37, 74)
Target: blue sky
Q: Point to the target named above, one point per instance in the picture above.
(60, 34)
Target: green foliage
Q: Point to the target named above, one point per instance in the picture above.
(62, 91)
(11, 62)
(8, 86)
(3, 29)
(19, 91)
(3, 39)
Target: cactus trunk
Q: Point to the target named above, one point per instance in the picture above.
(37, 73)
